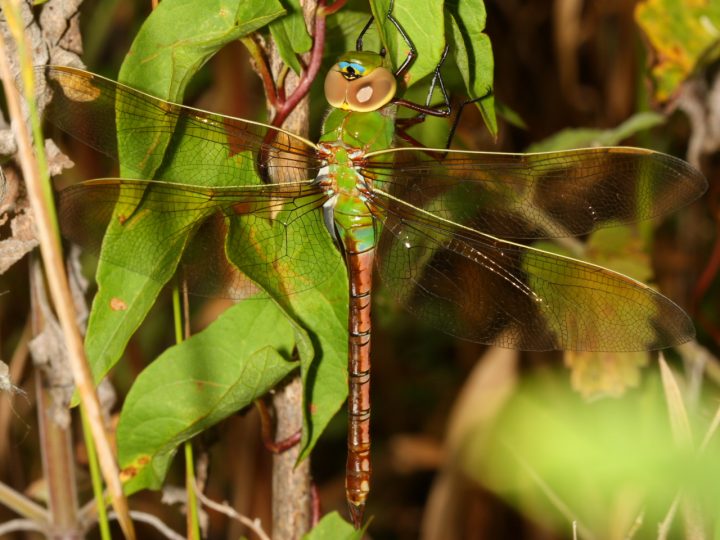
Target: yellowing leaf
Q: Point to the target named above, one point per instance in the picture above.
(596, 375)
(681, 32)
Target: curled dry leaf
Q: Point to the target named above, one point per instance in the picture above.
(22, 238)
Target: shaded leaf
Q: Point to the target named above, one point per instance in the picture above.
(588, 137)
(473, 56)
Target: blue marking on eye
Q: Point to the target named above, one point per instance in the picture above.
(359, 69)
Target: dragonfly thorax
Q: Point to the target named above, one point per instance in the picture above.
(347, 216)
(339, 174)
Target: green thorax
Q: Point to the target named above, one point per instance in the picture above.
(347, 132)
(367, 131)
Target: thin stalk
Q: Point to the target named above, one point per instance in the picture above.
(192, 504)
(40, 196)
(193, 522)
(23, 506)
(96, 479)
(261, 66)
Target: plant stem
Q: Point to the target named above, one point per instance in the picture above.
(55, 439)
(291, 500)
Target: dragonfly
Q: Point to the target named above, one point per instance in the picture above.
(430, 222)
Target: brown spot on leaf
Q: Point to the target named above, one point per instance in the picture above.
(242, 208)
(131, 471)
(128, 473)
(117, 304)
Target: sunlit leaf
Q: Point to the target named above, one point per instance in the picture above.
(422, 21)
(201, 381)
(290, 35)
(333, 527)
(602, 464)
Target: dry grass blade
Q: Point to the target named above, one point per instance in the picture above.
(679, 421)
(50, 249)
(680, 425)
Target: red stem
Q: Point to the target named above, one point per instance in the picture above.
(308, 76)
(266, 429)
(329, 10)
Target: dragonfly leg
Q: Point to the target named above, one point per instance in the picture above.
(412, 51)
(456, 120)
(359, 41)
(441, 110)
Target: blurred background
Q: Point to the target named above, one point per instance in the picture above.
(472, 442)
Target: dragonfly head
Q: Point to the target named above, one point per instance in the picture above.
(360, 82)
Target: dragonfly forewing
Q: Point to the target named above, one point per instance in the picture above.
(153, 138)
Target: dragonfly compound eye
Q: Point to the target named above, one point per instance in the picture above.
(364, 93)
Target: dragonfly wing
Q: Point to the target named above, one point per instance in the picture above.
(542, 195)
(153, 138)
(275, 234)
(484, 289)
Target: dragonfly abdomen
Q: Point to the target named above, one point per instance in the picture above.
(358, 467)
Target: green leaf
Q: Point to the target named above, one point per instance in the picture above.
(422, 22)
(473, 56)
(199, 382)
(585, 137)
(181, 35)
(684, 35)
(173, 43)
(343, 29)
(333, 527)
(291, 36)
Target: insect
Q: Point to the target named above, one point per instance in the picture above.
(430, 221)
